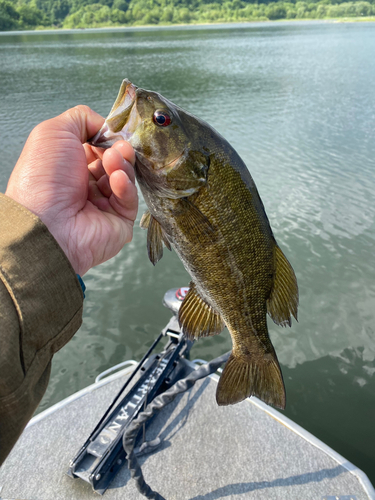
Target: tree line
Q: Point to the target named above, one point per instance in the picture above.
(42, 14)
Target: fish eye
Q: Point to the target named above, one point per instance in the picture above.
(162, 118)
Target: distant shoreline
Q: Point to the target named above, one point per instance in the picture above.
(51, 29)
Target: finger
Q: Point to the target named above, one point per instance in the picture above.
(96, 197)
(113, 160)
(94, 194)
(98, 152)
(126, 150)
(96, 169)
(81, 120)
(124, 199)
(92, 153)
(103, 186)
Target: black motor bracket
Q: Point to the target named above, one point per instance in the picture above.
(102, 455)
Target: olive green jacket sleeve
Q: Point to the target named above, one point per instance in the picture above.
(40, 310)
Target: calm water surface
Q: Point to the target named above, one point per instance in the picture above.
(297, 102)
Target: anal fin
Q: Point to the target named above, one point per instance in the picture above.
(246, 376)
(198, 319)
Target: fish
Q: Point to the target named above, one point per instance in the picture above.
(203, 203)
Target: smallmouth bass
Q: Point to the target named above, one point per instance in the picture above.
(203, 202)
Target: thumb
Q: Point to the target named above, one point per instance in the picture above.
(81, 120)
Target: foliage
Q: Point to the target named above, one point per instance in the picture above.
(9, 17)
(31, 14)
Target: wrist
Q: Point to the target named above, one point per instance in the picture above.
(56, 231)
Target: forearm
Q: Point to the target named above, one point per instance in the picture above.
(40, 310)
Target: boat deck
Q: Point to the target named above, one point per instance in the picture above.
(208, 452)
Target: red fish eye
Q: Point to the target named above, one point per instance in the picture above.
(162, 118)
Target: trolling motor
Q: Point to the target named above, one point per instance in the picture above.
(161, 377)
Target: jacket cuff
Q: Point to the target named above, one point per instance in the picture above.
(41, 282)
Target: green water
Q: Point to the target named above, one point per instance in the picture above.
(297, 102)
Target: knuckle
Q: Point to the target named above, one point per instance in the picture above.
(82, 109)
(39, 131)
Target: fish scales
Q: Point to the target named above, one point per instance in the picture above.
(203, 202)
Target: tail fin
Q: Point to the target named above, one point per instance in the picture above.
(260, 377)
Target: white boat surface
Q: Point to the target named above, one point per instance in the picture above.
(245, 451)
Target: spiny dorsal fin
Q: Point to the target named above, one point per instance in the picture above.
(251, 376)
(198, 319)
(283, 301)
(154, 241)
(145, 220)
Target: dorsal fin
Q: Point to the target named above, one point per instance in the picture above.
(198, 319)
(283, 300)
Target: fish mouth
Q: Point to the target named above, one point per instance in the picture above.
(171, 165)
(113, 128)
(157, 166)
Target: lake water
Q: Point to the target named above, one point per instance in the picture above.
(296, 100)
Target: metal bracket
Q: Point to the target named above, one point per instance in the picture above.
(102, 455)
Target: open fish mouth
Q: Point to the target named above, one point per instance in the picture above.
(113, 128)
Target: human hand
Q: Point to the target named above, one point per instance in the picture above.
(85, 196)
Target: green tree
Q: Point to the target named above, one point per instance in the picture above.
(291, 12)
(30, 16)
(167, 16)
(118, 16)
(59, 10)
(184, 16)
(103, 15)
(276, 11)
(120, 5)
(321, 11)
(26, 14)
(43, 5)
(336, 11)
(364, 9)
(8, 16)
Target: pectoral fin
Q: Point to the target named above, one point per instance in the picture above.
(283, 301)
(145, 220)
(154, 241)
(155, 236)
(194, 222)
(198, 319)
(165, 240)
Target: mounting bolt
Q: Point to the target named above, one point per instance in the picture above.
(119, 461)
(97, 477)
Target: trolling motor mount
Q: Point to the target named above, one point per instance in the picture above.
(102, 455)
